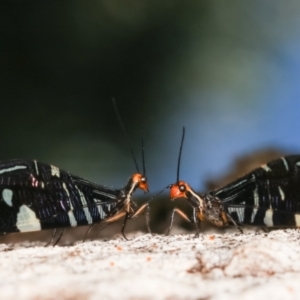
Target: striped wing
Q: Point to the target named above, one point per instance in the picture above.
(260, 216)
(38, 196)
(268, 196)
(273, 186)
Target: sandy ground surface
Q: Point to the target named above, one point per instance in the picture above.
(214, 266)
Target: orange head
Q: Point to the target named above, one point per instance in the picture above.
(179, 190)
(140, 181)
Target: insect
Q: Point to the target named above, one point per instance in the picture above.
(37, 196)
(269, 196)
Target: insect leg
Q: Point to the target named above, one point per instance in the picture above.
(148, 219)
(61, 234)
(139, 211)
(234, 223)
(52, 238)
(88, 231)
(124, 225)
(182, 214)
(117, 217)
(133, 204)
(101, 229)
(197, 222)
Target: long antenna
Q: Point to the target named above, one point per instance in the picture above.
(180, 151)
(158, 193)
(143, 155)
(143, 148)
(125, 132)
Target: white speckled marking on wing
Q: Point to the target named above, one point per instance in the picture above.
(101, 212)
(15, 168)
(269, 197)
(254, 212)
(7, 196)
(82, 197)
(268, 219)
(55, 171)
(67, 191)
(88, 215)
(221, 190)
(256, 197)
(27, 220)
(36, 167)
(282, 195)
(240, 211)
(266, 168)
(238, 183)
(72, 219)
(285, 163)
(84, 204)
(297, 220)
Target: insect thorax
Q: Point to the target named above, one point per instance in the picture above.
(214, 211)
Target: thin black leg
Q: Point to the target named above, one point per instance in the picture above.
(52, 238)
(88, 231)
(60, 236)
(124, 225)
(182, 214)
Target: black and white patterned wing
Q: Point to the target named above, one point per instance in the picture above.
(36, 196)
(268, 196)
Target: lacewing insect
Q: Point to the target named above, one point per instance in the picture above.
(269, 196)
(37, 196)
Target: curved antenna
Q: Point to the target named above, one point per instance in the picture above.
(143, 147)
(125, 132)
(158, 193)
(143, 154)
(180, 151)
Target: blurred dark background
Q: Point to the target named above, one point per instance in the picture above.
(229, 71)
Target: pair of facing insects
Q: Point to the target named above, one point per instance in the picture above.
(37, 196)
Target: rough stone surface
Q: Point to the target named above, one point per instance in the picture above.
(215, 266)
